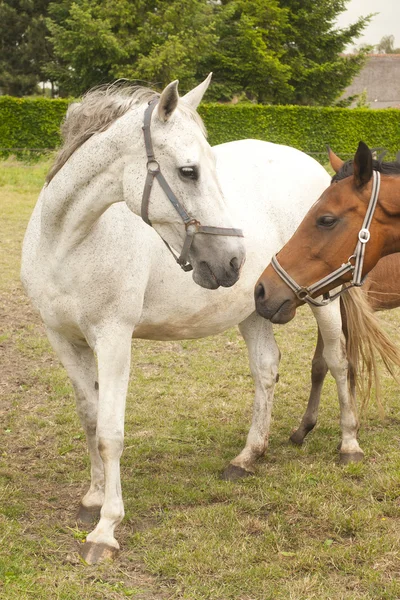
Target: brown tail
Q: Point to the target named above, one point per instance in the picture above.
(365, 341)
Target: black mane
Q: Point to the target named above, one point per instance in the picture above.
(386, 168)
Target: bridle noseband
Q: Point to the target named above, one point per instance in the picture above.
(192, 226)
(305, 293)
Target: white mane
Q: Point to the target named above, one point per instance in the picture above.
(99, 108)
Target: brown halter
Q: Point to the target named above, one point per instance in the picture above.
(192, 226)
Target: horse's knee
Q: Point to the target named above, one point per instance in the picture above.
(110, 448)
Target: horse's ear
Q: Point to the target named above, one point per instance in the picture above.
(168, 101)
(362, 165)
(195, 96)
(336, 162)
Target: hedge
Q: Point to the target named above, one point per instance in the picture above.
(307, 128)
(30, 125)
(33, 125)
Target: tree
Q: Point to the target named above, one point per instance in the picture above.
(284, 51)
(314, 51)
(386, 45)
(277, 51)
(248, 56)
(24, 49)
(96, 41)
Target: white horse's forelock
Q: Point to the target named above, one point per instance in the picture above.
(100, 108)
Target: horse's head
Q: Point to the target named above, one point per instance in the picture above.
(173, 184)
(328, 236)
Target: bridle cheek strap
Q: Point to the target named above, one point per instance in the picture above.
(192, 226)
(354, 264)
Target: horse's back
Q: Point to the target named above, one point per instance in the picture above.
(268, 185)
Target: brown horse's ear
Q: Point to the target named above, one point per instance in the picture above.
(362, 165)
(336, 162)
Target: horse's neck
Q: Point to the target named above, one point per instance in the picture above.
(389, 216)
(86, 186)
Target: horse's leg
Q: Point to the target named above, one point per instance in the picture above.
(330, 324)
(319, 370)
(80, 364)
(113, 350)
(264, 361)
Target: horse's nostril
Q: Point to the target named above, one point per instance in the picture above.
(235, 264)
(259, 292)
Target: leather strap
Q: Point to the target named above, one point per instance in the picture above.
(192, 226)
(305, 293)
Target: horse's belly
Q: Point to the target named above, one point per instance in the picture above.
(177, 308)
(209, 320)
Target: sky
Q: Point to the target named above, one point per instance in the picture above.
(387, 22)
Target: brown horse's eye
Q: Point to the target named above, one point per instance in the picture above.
(327, 221)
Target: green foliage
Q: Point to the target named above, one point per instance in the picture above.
(35, 124)
(319, 71)
(30, 124)
(306, 128)
(172, 41)
(266, 49)
(248, 57)
(260, 48)
(362, 100)
(100, 41)
(23, 46)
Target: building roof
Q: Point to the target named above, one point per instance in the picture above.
(380, 78)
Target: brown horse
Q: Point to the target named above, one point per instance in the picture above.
(338, 215)
(330, 232)
(382, 291)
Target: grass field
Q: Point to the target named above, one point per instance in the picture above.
(303, 528)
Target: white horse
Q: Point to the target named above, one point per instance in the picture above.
(99, 275)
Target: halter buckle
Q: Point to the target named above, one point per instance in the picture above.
(364, 235)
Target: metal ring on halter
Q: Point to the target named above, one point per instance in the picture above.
(153, 169)
(364, 235)
(192, 226)
(302, 293)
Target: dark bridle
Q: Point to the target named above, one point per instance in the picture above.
(192, 226)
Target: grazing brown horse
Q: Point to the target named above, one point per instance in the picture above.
(327, 237)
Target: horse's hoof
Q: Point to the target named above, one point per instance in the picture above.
(234, 473)
(346, 458)
(88, 516)
(297, 438)
(93, 553)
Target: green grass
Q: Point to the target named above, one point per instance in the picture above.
(303, 528)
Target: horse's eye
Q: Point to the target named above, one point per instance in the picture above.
(327, 221)
(189, 173)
